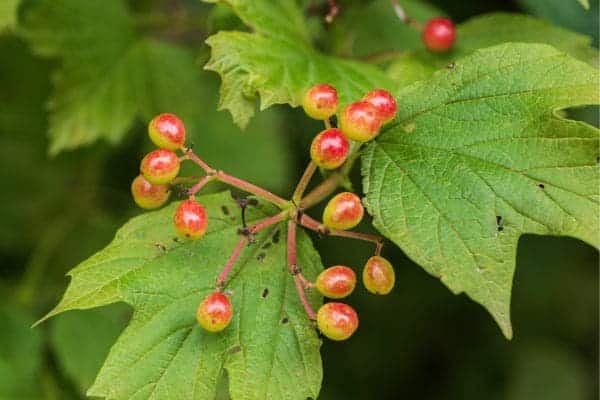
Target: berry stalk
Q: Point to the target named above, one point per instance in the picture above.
(404, 17)
(201, 183)
(304, 181)
(299, 280)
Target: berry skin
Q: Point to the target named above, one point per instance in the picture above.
(147, 195)
(190, 219)
(329, 148)
(439, 34)
(215, 312)
(385, 104)
(337, 321)
(320, 101)
(344, 211)
(360, 122)
(167, 131)
(336, 282)
(160, 166)
(378, 275)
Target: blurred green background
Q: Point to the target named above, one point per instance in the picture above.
(421, 342)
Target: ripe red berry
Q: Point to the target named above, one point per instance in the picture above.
(147, 195)
(167, 131)
(337, 321)
(329, 148)
(336, 282)
(190, 219)
(160, 166)
(378, 275)
(384, 102)
(439, 34)
(360, 122)
(320, 101)
(344, 211)
(215, 312)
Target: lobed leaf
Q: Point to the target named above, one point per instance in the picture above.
(271, 349)
(479, 156)
(8, 13)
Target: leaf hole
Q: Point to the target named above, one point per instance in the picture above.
(541, 186)
(285, 320)
(225, 210)
(235, 349)
(276, 236)
(266, 245)
(261, 256)
(265, 293)
(452, 65)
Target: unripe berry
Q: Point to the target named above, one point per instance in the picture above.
(329, 148)
(190, 219)
(215, 312)
(147, 195)
(384, 103)
(336, 282)
(167, 131)
(360, 122)
(344, 211)
(378, 275)
(439, 34)
(337, 321)
(160, 166)
(320, 101)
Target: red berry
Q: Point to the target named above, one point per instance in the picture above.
(360, 122)
(344, 211)
(336, 282)
(160, 166)
(167, 131)
(378, 275)
(384, 102)
(329, 148)
(320, 101)
(147, 195)
(190, 219)
(337, 321)
(439, 34)
(215, 312)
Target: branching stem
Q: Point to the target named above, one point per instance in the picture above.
(304, 181)
(299, 280)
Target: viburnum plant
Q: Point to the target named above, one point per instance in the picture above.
(463, 147)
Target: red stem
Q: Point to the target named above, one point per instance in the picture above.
(298, 280)
(304, 181)
(198, 186)
(250, 188)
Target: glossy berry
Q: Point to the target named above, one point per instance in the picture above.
(344, 211)
(336, 282)
(337, 321)
(439, 34)
(329, 148)
(190, 219)
(320, 101)
(215, 312)
(384, 103)
(360, 121)
(167, 131)
(378, 275)
(147, 195)
(160, 166)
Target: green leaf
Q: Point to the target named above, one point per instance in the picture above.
(585, 4)
(8, 13)
(277, 66)
(477, 157)
(109, 73)
(477, 33)
(82, 339)
(270, 350)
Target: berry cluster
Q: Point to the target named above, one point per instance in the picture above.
(331, 150)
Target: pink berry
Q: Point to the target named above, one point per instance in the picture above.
(147, 195)
(337, 321)
(344, 211)
(360, 121)
(336, 282)
(167, 131)
(215, 312)
(384, 102)
(378, 275)
(320, 101)
(160, 166)
(329, 148)
(190, 219)
(439, 34)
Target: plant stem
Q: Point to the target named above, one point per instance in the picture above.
(403, 16)
(382, 56)
(265, 223)
(293, 267)
(316, 226)
(203, 181)
(190, 155)
(304, 181)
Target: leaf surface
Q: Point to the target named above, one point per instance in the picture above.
(477, 157)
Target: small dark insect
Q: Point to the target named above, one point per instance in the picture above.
(541, 186)
(265, 293)
(499, 223)
(261, 256)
